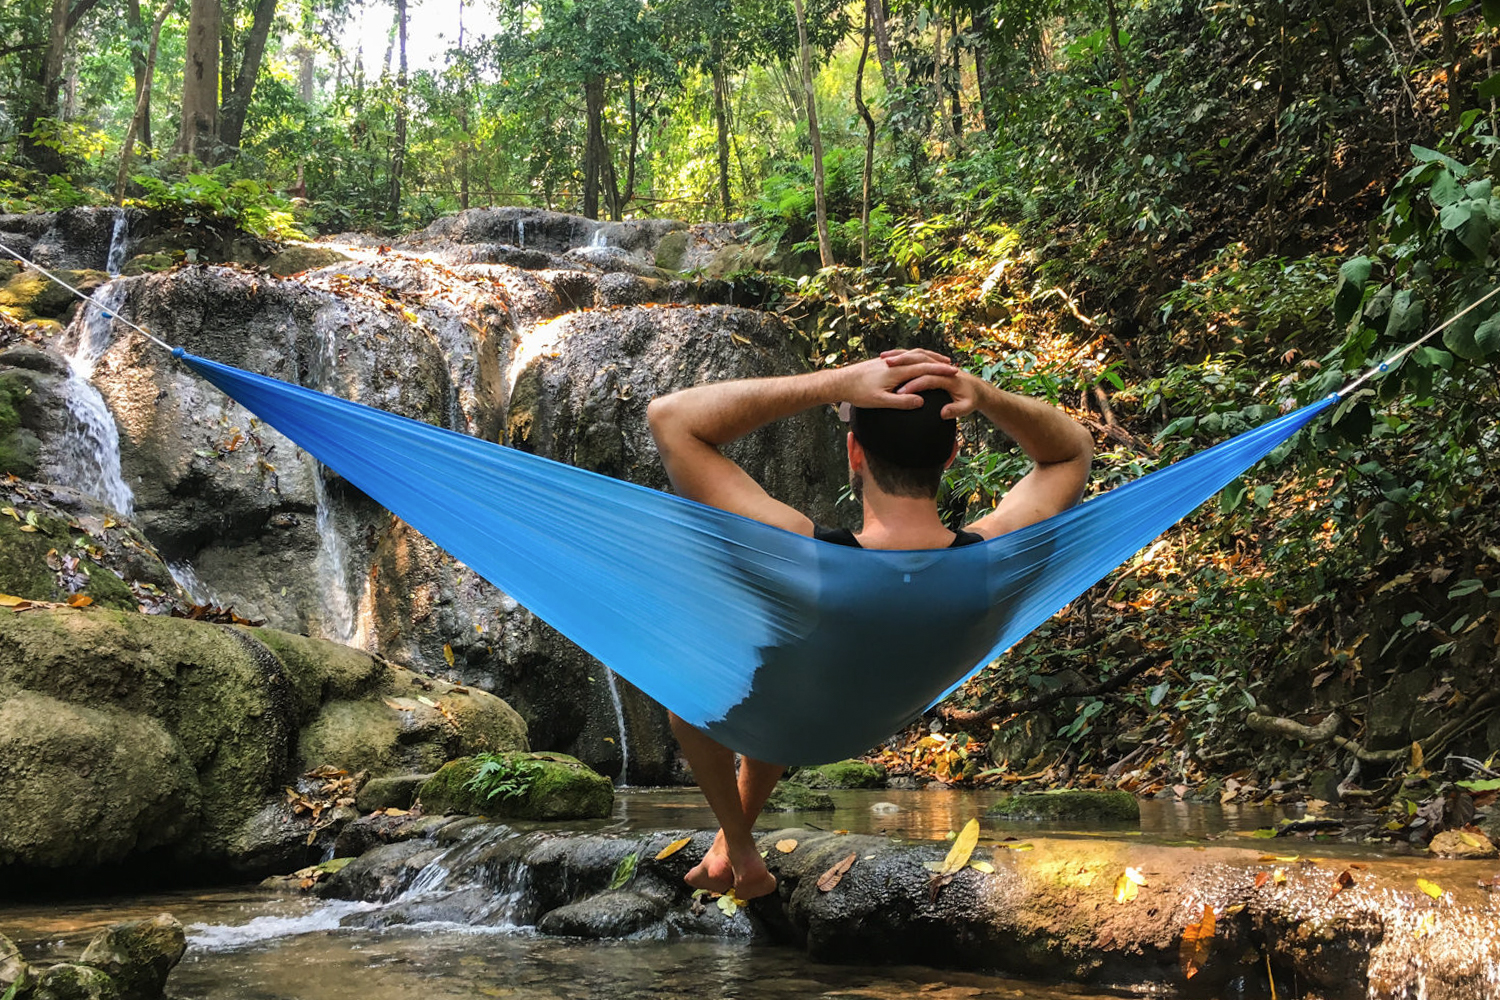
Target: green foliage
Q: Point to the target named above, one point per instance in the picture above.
(503, 776)
(217, 194)
(624, 871)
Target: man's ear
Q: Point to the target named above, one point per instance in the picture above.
(952, 454)
(856, 452)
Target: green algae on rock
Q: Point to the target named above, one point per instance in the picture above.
(841, 774)
(1069, 805)
(790, 797)
(561, 787)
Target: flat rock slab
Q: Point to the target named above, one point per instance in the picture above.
(1048, 908)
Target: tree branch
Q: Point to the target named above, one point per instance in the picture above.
(964, 717)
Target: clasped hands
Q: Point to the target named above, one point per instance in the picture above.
(894, 379)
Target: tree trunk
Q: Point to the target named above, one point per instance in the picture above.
(593, 102)
(1455, 66)
(463, 116)
(237, 101)
(200, 80)
(1126, 90)
(635, 141)
(956, 97)
(864, 112)
(937, 74)
(721, 118)
(989, 119)
(820, 203)
(141, 120)
(398, 157)
(138, 61)
(883, 46)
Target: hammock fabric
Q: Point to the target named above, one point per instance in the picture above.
(781, 647)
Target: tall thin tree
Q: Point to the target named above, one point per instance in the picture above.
(820, 202)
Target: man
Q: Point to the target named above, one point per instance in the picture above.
(904, 407)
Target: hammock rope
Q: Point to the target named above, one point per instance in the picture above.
(780, 646)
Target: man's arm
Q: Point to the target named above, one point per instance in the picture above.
(691, 426)
(1061, 447)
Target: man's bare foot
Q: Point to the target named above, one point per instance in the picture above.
(752, 879)
(712, 873)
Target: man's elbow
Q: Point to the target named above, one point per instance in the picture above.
(658, 415)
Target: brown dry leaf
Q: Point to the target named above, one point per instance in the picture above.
(1344, 881)
(1431, 888)
(672, 848)
(1416, 756)
(393, 811)
(79, 600)
(1261, 879)
(831, 878)
(1197, 942)
(786, 846)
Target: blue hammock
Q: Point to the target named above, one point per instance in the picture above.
(779, 646)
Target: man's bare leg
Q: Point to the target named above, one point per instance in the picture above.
(757, 780)
(713, 767)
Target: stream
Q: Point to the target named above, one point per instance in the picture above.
(249, 944)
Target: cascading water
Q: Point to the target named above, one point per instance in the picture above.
(598, 239)
(115, 259)
(521, 233)
(91, 444)
(614, 697)
(333, 554)
(192, 584)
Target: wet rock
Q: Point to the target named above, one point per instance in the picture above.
(32, 295)
(551, 786)
(397, 791)
(841, 774)
(13, 968)
(150, 263)
(369, 832)
(71, 239)
(138, 955)
(382, 873)
(1021, 739)
(75, 982)
(296, 258)
(788, 796)
(1463, 844)
(608, 915)
(1070, 805)
(126, 735)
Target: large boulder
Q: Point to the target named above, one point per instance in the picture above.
(138, 954)
(546, 786)
(133, 736)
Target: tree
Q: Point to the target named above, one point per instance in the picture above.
(820, 201)
(398, 152)
(200, 80)
(140, 120)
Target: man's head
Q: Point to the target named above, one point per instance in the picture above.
(906, 450)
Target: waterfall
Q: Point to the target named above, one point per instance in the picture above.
(598, 239)
(192, 584)
(333, 554)
(521, 232)
(116, 257)
(614, 696)
(91, 445)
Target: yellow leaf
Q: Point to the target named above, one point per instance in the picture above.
(1128, 885)
(963, 846)
(427, 701)
(1431, 888)
(672, 848)
(1016, 847)
(1471, 839)
(393, 811)
(448, 653)
(1197, 941)
(28, 527)
(786, 846)
(10, 600)
(80, 601)
(980, 865)
(609, 739)
(1279, 875)
(1425, 924)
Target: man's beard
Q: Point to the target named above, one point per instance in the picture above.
(857, 486)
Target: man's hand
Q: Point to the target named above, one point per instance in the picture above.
(873, 384)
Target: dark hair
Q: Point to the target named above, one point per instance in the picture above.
(907, 450)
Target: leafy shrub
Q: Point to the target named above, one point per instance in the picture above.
(217, 195)
(503, 776)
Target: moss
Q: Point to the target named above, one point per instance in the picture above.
(790, 797)
(150, 263)
(841, 774)
(75, 982)
(19, 447)
(565, 788)
(26, 572)
(1070, 805)
(31, 295)
(319, 669)
(296, 259)
(671, 250)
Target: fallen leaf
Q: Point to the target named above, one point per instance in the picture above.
(980, 865)
(393, 811)
(448, 653)
(1431, 888)
(831, 878)
(1261, 879)
(786, 846)
(11, 600)
(672, 848)
(1279, 875)
(963, 847)
(1197, 941)
(1344, 881)
(427, 701)
(1425, 924)
(1128, 885)
(79, 600)
(729, 903)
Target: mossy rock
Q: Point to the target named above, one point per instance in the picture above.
(138, 954)
(297, 258)
(20, 448)
(398, 791)
(841, 774)
(32, 295)
(76, 982)
(563, 788)
(30, 546)
(671, 250)
(151, 263)
(1070, 805)
(790, 797)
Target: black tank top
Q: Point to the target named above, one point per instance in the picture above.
(843, 536)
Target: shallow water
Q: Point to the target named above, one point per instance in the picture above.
(247, 945)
